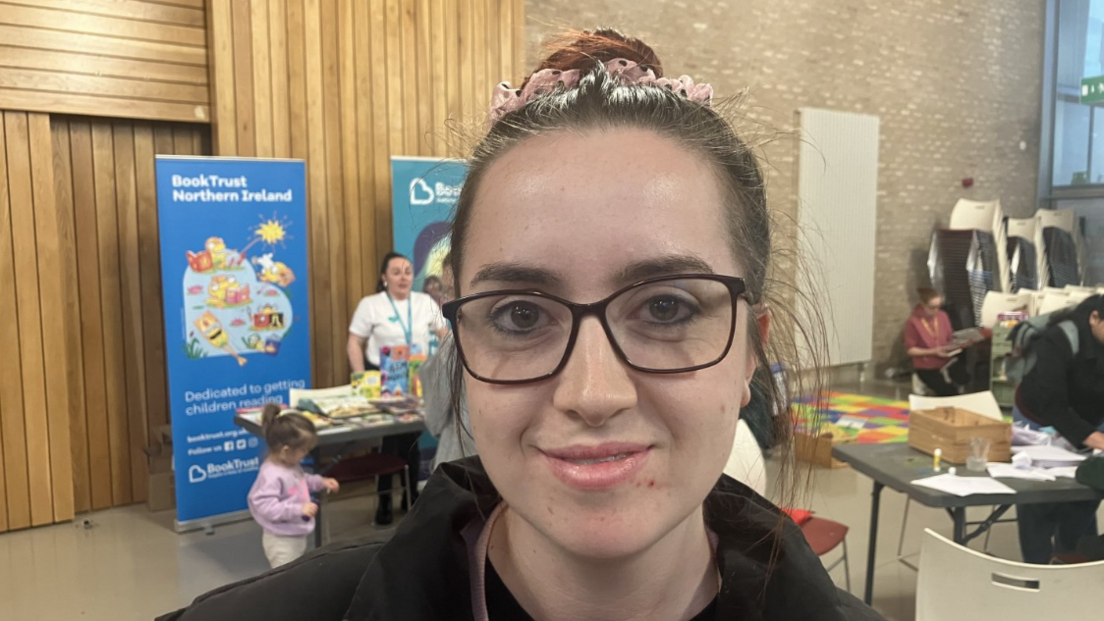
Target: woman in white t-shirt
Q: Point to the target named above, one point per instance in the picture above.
(395, 315)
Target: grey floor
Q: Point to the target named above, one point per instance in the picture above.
(131, 565)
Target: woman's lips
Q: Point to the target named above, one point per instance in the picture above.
(600, 467)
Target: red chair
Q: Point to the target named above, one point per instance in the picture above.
(823, 537)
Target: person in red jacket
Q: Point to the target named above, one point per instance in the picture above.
(928, 337)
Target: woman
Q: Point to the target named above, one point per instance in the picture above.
(1064, 390)
(611, 248)
(928, 336)
(395, 315)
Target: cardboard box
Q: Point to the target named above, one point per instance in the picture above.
(161, 483)
(951, 430)
(162, 491)
(817, 449)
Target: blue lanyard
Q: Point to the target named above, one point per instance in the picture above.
(407, 327)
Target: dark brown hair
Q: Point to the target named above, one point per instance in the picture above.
(290, 429)
(927, 294)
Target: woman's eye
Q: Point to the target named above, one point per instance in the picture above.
(664, 309)
(518, 316)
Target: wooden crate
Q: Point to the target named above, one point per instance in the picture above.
(951, 429)
(817, 449)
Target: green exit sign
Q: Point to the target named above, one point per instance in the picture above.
(1092, 89)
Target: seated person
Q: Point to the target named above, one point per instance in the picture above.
(928, 338)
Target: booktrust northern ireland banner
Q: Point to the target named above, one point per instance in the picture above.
(424, 192)
(234, 279)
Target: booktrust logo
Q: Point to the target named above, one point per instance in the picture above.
(198, 474)
(421, 193)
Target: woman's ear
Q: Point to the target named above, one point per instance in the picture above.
(762, 323)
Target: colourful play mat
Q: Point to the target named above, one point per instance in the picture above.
(872, 419)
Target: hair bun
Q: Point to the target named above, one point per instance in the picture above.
(578, 50)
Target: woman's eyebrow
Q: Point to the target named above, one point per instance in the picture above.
(662, 266)
(516, 273)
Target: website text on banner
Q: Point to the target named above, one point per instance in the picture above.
(234, 274)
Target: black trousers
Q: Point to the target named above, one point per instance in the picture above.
(1056, 528)
(933, 379)
(406, 446)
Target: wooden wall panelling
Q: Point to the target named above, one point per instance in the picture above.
(149, 260)
(412, 143)
(335, 199)
(350, 173)
(366, 175)
(262, 77)
(478, 57)
(16, 478)
(134, 58)
(317, 187)
(107, 231)
(492, 27)
(53, 291)
(380, 210)
(223, 93)
(453, 89)
(518, 28)
(423, 63)
(243, 78)
(131, 9)
(74, 372)
(130, 280)
(91, 314)
(29, 317)
(278, 52)
(439, 96)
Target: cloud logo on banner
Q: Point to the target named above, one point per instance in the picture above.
(196, 474)
(420, 192)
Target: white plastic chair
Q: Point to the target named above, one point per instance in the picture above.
(956, 582)
(983, 403)
(745, 464)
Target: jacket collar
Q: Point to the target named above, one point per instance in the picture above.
(422, 573)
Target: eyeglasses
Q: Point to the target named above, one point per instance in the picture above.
(669, 324)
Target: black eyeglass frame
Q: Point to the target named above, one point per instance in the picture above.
(737, 287)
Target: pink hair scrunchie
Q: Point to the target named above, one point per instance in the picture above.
(506, 99)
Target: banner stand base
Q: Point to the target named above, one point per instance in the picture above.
(209, 523)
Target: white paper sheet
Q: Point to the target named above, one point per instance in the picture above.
(964, 486)
(1000, 470)
(1069, 472)
(1049, 456)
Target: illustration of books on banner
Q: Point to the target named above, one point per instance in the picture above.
(220, 285)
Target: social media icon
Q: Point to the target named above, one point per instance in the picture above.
(241, 444)
(228, 445)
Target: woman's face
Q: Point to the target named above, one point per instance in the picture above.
(399, 277)
(580, 216)
(932, 306)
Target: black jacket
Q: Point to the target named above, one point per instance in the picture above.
(422, 573)
(1062, 390)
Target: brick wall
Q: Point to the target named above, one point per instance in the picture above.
(956, 84)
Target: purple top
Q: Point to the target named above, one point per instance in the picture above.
(277, 498)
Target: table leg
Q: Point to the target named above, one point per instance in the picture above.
(875, 505)
(959, 515)
(316, 457)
